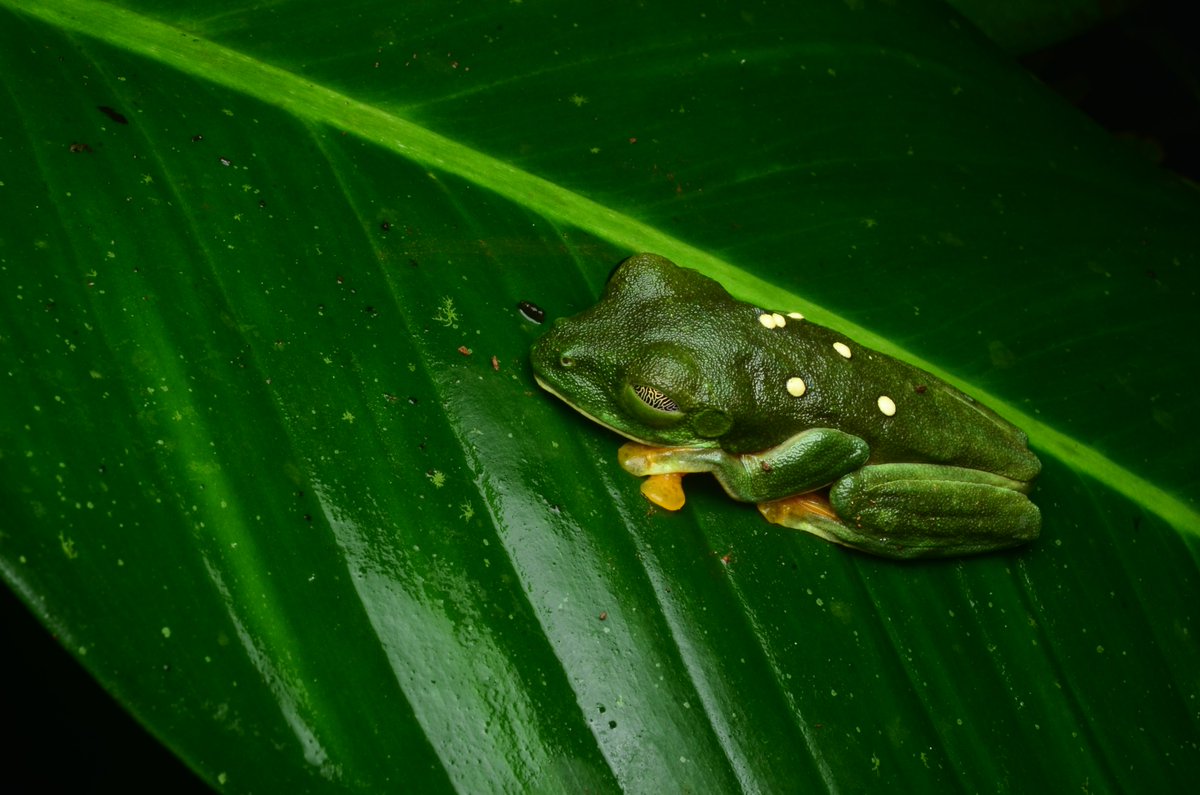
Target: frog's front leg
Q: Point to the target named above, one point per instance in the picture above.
(809, 460)
(918, 510)
(664, 468)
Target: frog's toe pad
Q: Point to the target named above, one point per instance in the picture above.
(665, 491)
(638, 459)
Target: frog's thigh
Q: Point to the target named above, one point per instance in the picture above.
(913, 510)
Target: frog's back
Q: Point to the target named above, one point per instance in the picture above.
(803, 375)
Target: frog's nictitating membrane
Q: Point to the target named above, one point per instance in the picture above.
(825, 435)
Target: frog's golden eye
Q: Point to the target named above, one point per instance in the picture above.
(654, 399)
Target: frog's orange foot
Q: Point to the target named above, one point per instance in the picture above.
(799, 511)
(665, 491)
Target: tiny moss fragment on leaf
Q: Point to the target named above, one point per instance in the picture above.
(446, 314)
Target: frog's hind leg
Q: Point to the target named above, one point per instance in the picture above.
(810, 513)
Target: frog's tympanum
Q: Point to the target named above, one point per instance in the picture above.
(825, 435)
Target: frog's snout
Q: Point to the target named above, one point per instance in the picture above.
(549, 353)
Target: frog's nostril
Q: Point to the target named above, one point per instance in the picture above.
(566, 362)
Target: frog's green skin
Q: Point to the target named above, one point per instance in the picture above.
(776, 406)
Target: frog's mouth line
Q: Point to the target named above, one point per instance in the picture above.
(592, 417)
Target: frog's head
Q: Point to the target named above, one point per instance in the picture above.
(631, 362)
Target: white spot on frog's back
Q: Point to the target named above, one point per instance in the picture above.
(796, 386)
(772, 320)
(886, 405)
(795, 316)
(843, 349)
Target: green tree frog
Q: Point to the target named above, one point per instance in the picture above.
(823, 434)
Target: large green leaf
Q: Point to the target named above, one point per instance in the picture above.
(275, 470)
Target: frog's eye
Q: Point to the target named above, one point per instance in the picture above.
(654, 399)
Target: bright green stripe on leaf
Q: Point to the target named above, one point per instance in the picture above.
(212, 62)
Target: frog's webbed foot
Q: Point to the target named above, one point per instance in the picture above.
(809, 512)
(665, 491)
(663, 486)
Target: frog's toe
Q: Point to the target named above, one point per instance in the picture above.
(638, 459)
(642, 460)
(665, 491)
(810, 513)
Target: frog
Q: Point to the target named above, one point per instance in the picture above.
(823, 434)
